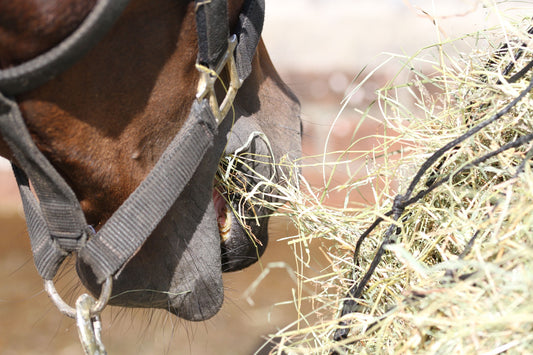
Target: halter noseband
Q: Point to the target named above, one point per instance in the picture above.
(56, 224)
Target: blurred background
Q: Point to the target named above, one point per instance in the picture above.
(319, 47)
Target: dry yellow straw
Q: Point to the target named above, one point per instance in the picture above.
(438, 289)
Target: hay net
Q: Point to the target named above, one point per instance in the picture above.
(442, 262)
(458, 237)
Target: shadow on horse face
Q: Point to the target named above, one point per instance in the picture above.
(105, 122)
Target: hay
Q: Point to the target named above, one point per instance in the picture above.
(457, 275)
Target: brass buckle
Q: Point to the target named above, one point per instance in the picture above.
(208, 78)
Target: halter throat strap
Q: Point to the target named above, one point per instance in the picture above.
(55, 221)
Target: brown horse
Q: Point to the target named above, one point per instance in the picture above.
(104, 122)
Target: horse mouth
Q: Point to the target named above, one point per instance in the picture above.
(242, 228)
(223, 215)
(244, 195)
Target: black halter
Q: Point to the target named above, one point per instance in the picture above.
(56, 224)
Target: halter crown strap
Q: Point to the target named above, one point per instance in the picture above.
(212, 29)
(56, 223)
(213, 33)
(249, 33)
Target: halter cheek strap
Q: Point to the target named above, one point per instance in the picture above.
(55, 221)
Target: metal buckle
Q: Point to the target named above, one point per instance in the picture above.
(208, 78)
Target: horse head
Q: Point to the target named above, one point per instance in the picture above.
(104, 123)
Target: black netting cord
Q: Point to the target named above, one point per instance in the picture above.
(401, 202)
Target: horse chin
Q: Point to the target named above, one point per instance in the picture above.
(179, 266)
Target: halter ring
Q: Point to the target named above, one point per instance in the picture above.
(69, 311)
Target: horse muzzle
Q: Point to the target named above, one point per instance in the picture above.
(212, 228)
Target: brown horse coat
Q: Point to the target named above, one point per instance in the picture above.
(104, 123)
